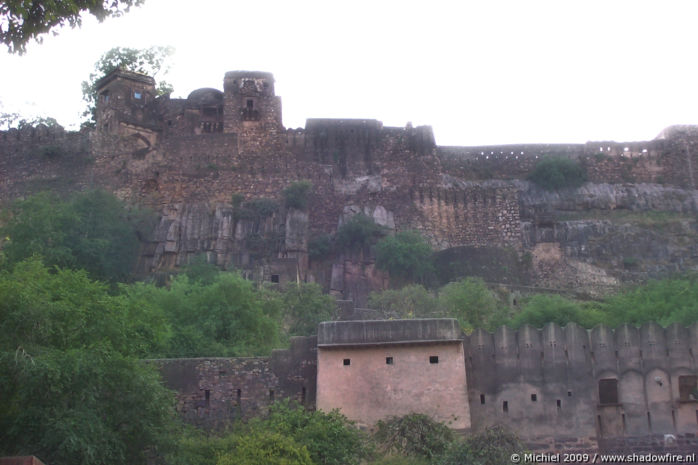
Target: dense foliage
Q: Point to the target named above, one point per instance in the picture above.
(493, 446)
(93, 231)
(413, 435)
(558, 173)
(473, 304)
(359, 231)
(411, 301)
(71, 388)
(296, 194)
(288, 435)
(305, 306)
(406, 256)
(22, 21)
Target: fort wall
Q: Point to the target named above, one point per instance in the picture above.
(559, 388)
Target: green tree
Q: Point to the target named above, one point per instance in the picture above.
(296, 194)
(358, 231)
(472, 304)
(493, 446)
(542, 309)
(72, 389)
(224, 318)
(330, 437)
(412, 301)
(306, 306)
(413, 435)
(92, 231)
(22, 21)
(151, 61)
(406, 256)
(266, 448)
(664, 301)
(558, 173)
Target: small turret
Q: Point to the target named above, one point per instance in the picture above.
(122, 96)
(249, 102)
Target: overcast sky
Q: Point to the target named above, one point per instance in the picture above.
(478, 72)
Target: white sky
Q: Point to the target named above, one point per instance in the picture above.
(478, 72)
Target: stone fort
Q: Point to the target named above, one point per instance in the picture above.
(194, 160)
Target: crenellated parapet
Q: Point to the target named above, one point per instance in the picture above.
(594, 385)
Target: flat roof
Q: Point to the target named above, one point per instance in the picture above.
(387, 332)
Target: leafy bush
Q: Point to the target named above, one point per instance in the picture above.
(665, 301)
(306, 307)
(406, 256)
(296, 194)
(472, 304)
(542, 309)
(256, 209)
(413, 435)
(93, 231)
(319, 246)
(72, 387)
(493, 446)
(413, 301)
(330, 437)
(266, 448)
(359, 231)
(558, 173)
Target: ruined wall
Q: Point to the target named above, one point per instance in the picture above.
(213, 392)
(572, 389)
(670, 159)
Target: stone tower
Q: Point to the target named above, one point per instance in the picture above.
(249, 103)
(124, 98)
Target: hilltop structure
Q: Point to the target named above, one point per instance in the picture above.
(204, 163)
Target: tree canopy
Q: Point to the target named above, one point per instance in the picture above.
(93, 231)
(71, 387)
(152, 61)
(22, 21)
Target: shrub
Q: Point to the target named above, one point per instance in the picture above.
(330, 437)
(405, 256)
(493, 446)
(413, 435)
(558, 173)
(542, 309)
(319, 246)
(473, 304)
(265, 448)
(359, 231)
(412, 301)
(256, 209)
(296, 194)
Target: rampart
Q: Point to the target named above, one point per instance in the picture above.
(560, 388)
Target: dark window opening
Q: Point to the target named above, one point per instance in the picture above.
(250, 104)
(482, 399)
(303, 395)
(622, 417)
(569, 393)
(608, 391)
(105, 96)
(207, 397)
(649, 422)
(347, 362)
(534, 397)
(275, 278)
(169, 122)
(388, 360)
(687, 388)
(271, 395)
(239, 397)
(434, 359)
(505, 406)
(559, 404)
(221, 373)
(598, 419)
